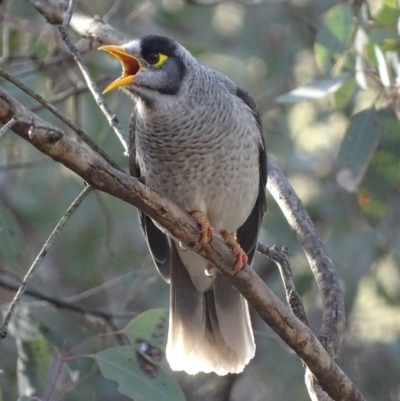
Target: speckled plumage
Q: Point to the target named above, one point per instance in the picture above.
(201, 151)
(196, 139)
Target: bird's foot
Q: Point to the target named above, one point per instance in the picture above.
(241, 257)
(206, 231)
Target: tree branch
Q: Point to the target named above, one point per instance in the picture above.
(60, 303)
(40, 256)
(91, 28)
(333, 318)
(95, 171)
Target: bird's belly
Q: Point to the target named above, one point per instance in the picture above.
(224, 190)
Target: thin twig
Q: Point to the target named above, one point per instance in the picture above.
(7, 126)
(117, 281)
(112, 118)
(40, 256)
(281, 258)
(77, 90)
(68, 15)
(89, 141)
(59, 303)
(113, 10)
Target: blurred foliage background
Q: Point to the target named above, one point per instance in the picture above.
(337, 139)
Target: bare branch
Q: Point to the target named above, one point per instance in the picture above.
(60, 97)
(296, 305)
(61, 116)
(333, 318)
(281, 258)
(7, 126)
(113, 10)
(333, 313)
(60, 303)
(111, 118)
(92, 28)
(40, 256)
(68, 14)
(180, 225)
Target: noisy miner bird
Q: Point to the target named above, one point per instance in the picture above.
(196, 138)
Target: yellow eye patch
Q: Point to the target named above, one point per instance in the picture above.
(162, 58)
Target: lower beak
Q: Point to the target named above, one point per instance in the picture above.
(130, 66)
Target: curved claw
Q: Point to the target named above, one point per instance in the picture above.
(206, 231)
(241, 256)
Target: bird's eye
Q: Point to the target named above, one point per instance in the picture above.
(156, 59)
(152, 58)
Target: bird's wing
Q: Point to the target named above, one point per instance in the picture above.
(158, 242)
(247, 234)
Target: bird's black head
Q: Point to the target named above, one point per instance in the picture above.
(152, 45)
(151, 64)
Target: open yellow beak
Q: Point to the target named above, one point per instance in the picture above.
(130, 66)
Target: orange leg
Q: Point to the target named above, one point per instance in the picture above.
(241, 257)
(206, 231)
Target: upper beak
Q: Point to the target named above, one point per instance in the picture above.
(130, 66)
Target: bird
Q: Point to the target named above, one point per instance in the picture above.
(196, 138)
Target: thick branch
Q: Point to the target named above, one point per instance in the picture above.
(92, 28)
(102, 176)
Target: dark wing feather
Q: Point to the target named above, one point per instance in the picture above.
(158, 242)
(247, 234)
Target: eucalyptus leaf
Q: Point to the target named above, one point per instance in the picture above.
(344, 94)
(137, 378)
(360, 141)
(360, 74)
(33, 361)
(382, 176)
(33, 364)
(151, 326)
(314, 90)
(334, 36)
(388, 14)
(382, 67)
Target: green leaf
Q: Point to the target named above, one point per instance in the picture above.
(11, 239)
(358, 146)
(32, 365)
(314, 90)
(388, 15)
(64, 330)
(150, 327)
(33, 354)
(137, 378)
(382, 67)
(344, 94)
(334, 36)
(382, 175)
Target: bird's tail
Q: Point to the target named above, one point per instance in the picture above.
(208, 331)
